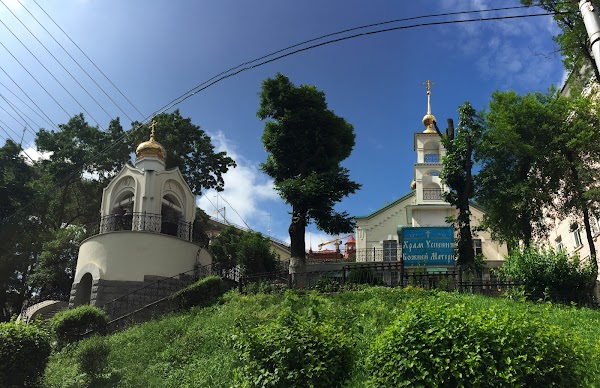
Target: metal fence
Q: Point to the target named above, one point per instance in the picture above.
(149, 222)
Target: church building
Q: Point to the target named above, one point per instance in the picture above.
(379, 235)
(145, 231)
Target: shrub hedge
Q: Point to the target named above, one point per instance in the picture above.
(92, 356)
(202, 293)
(293, 351)
(24, 352)
(70, 325)
(434, 344)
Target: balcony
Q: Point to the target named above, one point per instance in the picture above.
(148, 222)
(432, 194)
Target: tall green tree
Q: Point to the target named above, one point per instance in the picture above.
(16, 191)
(573, 39)
(457, 175)
(189, 148)
(306, 143)
(249, 250)
(511, 185)
(574, 158)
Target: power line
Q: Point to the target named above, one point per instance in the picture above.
(48, 71)
(76, 62)
(207, 84)
(15, 108)
(238, 214)
(35, 79)
(18, 112)
(48, 120)
(52, 55)
(88, 58)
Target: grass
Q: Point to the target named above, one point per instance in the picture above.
(195, 349)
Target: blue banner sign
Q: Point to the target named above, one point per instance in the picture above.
(432, 245)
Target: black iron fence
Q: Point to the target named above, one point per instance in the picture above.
(148, 222)
(163, 288)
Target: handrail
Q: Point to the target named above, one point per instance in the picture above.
(149, 222)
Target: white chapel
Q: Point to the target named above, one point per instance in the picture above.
(145, 231)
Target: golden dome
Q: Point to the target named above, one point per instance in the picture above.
(413, 185)
(428, 120)
(151, 148)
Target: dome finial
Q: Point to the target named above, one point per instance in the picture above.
(429, 118)
(151, 147)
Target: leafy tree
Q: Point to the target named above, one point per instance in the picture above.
(457, 175)
(189, 148)
(573, 41)
(250, 250)
(306, 142)
(512, 185)
(55, 268)
(544, 271)
(16, 191)
(575, 156)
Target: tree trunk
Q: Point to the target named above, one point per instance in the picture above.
(297, 247)
(466, 254)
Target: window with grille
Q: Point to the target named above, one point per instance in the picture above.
(432, 158)
(390, 250)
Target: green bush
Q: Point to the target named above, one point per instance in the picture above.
(360, 275)
(24, 352)
(293, 351)
(203, 293)
(551, 274)
(70, 325)
(92, 356)
(438, 344)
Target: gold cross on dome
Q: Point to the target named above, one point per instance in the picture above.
(429, 84)
(152, 127)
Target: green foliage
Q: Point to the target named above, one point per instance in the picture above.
(438, 344)
(514, 183)
(306, 142)
(293, 351)
(92, 356)
(56, 265)
(24, 352)
(360, 275)
(203, 293)
(70, 325)
(250, 250)
(545, 272)
(189, 148)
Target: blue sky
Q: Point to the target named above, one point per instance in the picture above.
(156, 50)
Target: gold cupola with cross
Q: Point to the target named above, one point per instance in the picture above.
(151, 155)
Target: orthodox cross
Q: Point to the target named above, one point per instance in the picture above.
(152, 127)
(428, 84)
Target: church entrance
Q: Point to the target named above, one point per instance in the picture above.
(84, 290)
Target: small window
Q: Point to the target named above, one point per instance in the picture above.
(390, 250)
(432, 158)
(576, 238)
(477, 246)
(559, 244)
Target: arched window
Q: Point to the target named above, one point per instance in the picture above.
(432, 192)
(431, 151)
(83, 294)
(122, 211)
(171, 216)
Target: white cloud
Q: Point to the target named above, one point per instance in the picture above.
(314, 238)
(246, 192)
(32, 154)
(510, 52)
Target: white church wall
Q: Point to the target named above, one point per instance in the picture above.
(128, 256)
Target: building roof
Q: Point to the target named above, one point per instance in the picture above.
(412, 193)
